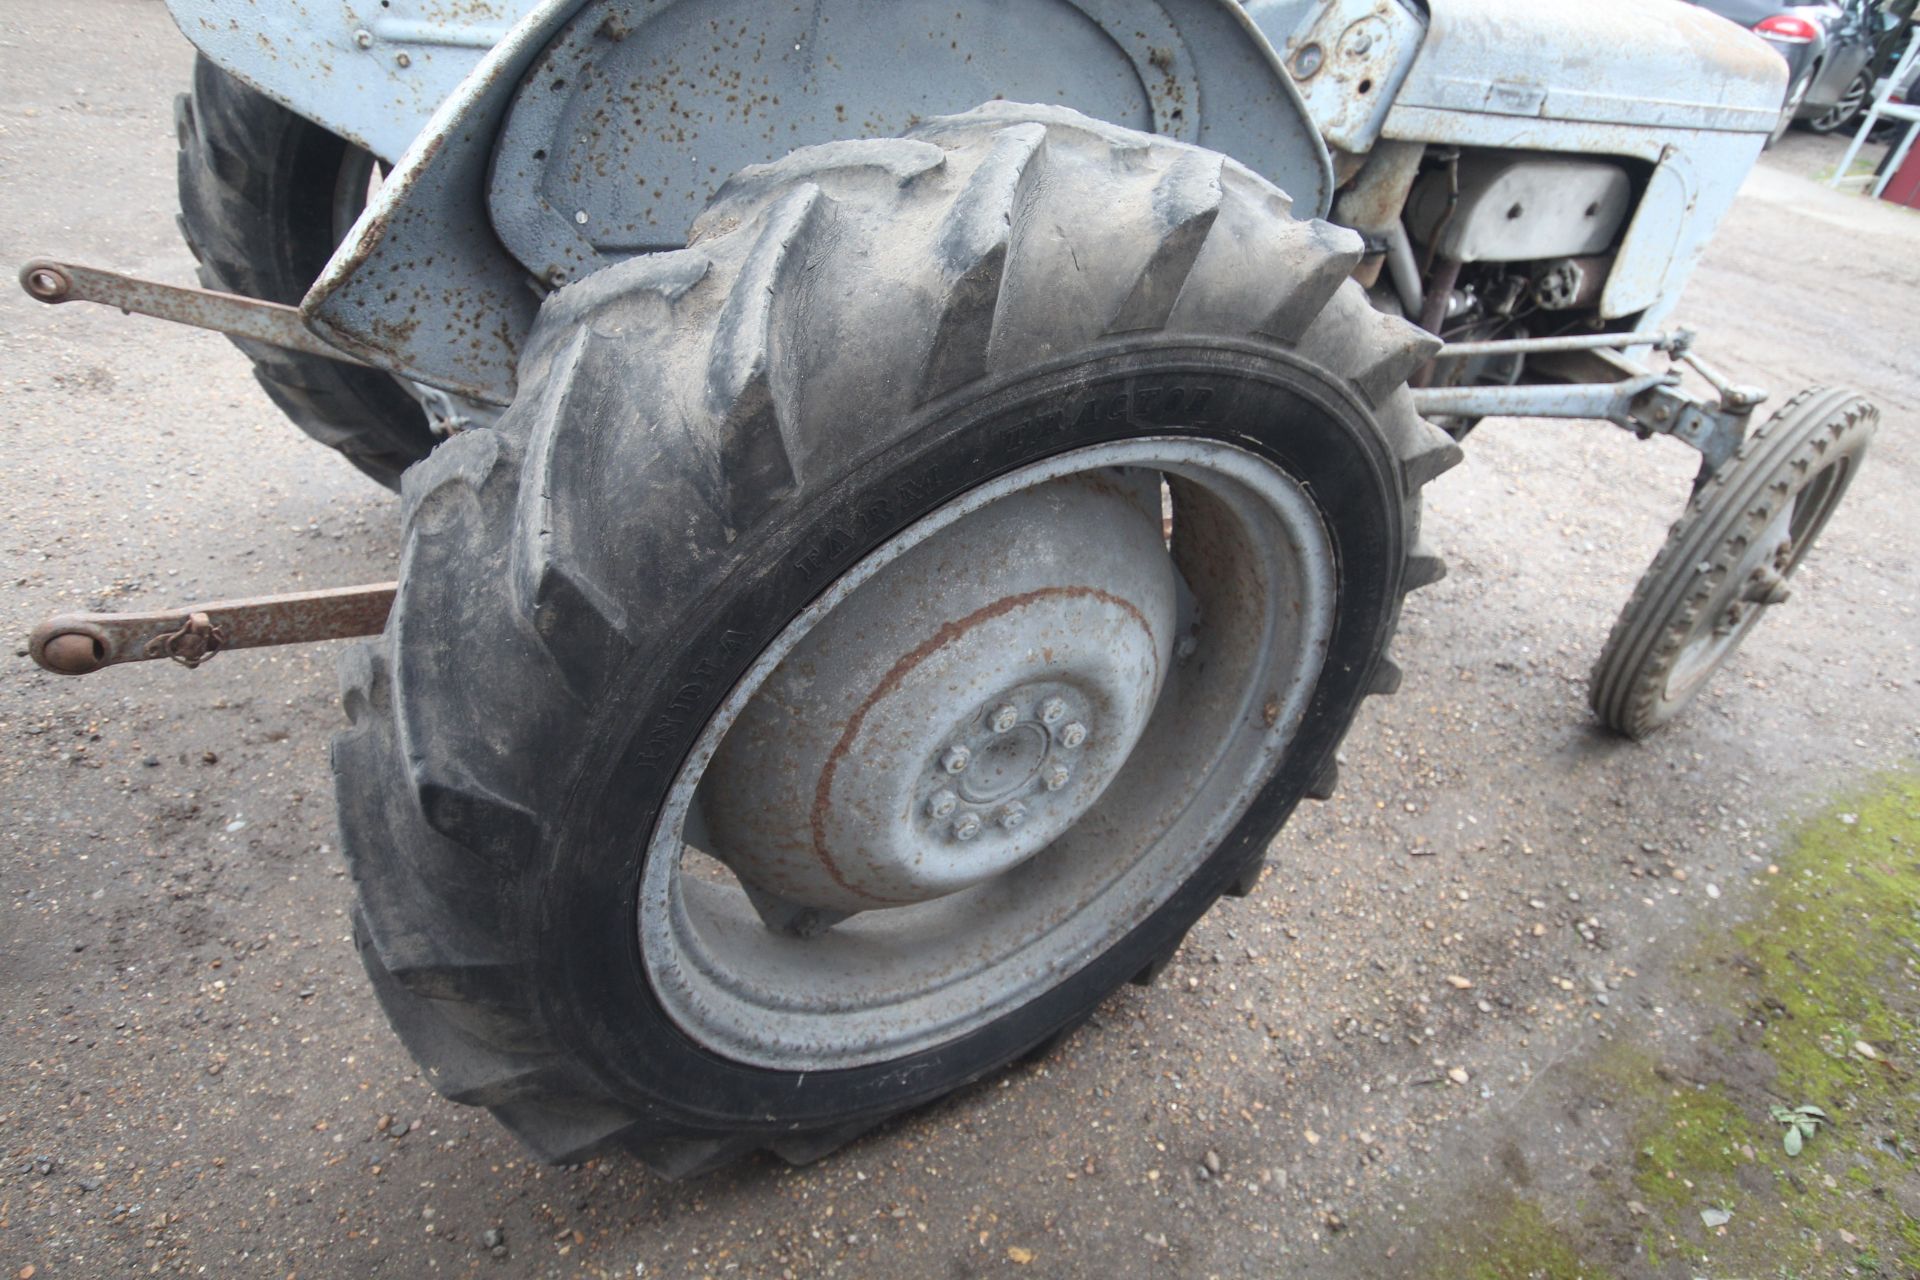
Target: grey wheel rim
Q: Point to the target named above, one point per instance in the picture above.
(1756, 582)
(972, 893)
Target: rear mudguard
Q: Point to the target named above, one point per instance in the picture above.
(593, 130)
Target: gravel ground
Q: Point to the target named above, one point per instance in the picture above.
(196, 1078)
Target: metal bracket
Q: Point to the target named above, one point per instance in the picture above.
(228, 313)
(1589, 376)
(194, 643)
(74, 644)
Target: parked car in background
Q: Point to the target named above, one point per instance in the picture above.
(1829, 49)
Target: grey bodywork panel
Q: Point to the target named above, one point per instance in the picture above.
(638, 110)
(1348, 58)
(616, 121)
(1649, 63)
(372, 71)
(1687, 93)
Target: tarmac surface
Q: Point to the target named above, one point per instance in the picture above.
(194, 1077)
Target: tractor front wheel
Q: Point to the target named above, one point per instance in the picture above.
(1727, 560)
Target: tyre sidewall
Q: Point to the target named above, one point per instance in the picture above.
(595, 994)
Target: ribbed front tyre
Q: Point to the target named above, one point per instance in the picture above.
(877, 632)
(1726, 561)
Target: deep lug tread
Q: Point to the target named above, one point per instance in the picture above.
(1061, 122)
(1050, 1044)
(1404, 349)
(975, 240)
(1330, 253)
(804, 1149)
(659, 278)
(894, 162)
(1149, 974)
(1186, 202)
(1247, 879)
(464, 1068)
(566, 1130)
(364, 687)
(581, 623)
(1426, 452)
(1424, 568)
(453, 476)
(470, 814)
(1326, 782)
(1386, 677)
(756, 446)
(678, 1158)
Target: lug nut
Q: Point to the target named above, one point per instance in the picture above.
(956, 760)
(1003, 718)
(1073, 735)
(1058, 777)
(1012, 816)
(967, 826)
(1051, 710)
(942, 804)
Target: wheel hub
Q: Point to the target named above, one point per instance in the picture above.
(1012, 765)
(960, 711)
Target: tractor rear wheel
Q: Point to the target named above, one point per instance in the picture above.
(877, 632)
(265, 197)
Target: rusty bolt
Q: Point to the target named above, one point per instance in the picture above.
(1012, 816)
(1002, 718)
(1765, 586)
(363, 38)
(942, 804)
(1058, 777)
(1073, 735)
(47, 284)
(967, 826)
(73, 653)
(403, 59)
(1051, 710)
(956, 760)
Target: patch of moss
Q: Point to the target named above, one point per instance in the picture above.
(1831, 962)
(1840, 937)
(1834, 960)
(1909, 1232)
(1519, 1244)
(1688, 1155)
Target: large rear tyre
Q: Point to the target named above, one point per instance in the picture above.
(797, 707)
(1726, 561)
(265, 197)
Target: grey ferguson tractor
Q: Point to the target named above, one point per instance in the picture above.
(878, 567)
